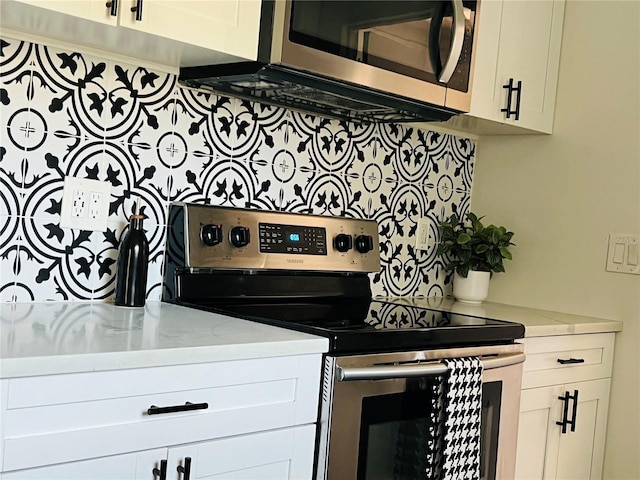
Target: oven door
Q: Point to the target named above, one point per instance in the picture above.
(374, 422)
(419, 49)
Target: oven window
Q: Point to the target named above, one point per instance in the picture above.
(491, 397)
(393, 436)
(394, 432)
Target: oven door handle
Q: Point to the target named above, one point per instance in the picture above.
(385, 372)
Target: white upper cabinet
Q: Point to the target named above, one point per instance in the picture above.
(516, 67)
(227, 26)
(95, 10)
(170, 32)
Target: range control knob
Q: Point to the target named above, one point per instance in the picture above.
(364, 243)
(211, 234)
(343, 242)
(240, 236)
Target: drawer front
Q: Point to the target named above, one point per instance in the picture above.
(68, 418)
(567, 358)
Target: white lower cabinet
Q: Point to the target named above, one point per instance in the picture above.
(131, 466)
(245, 419)
(280, 454)
(562, 425)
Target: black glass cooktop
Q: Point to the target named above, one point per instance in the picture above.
(363, 326)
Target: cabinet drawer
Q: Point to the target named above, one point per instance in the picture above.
(62, 418)
(567, 358)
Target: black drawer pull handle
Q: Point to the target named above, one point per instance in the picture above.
(568, 361)
(162, 472)
(186, 470)
(153, 410)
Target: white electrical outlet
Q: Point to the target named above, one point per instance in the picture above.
(95, 205)
(623, 255)
(422, 236)
(85, 204)
(79, 204)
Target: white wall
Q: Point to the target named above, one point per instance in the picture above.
(563, 194)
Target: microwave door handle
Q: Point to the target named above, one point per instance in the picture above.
(457, 42)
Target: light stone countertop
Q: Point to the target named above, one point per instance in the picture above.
(54, 337)
(537, 323)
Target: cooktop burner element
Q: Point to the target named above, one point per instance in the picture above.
(308, 273)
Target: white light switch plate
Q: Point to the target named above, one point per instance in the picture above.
(623, 255)
(85, 204)
(422, 235)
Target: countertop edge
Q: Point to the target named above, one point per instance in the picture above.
(605, 326)
(96, 362)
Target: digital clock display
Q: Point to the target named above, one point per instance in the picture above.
(292, 239)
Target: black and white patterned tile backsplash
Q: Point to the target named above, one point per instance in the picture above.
(67, 113)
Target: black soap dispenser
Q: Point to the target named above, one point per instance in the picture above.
(132, 264)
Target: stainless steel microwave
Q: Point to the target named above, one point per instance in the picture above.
(380, 60)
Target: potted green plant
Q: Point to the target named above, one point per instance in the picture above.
(474, 252)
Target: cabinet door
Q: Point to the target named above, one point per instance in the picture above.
(227, 26)
(132, 466)
(538, 434)
(168, 32)
(544, 452)
(518, 40)
(95, 10)
(581, 452)
(280, 454)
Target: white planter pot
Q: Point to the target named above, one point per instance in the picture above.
(473, 289)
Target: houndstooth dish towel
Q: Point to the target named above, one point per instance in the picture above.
(453, 450)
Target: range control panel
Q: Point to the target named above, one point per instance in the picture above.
(293, 239)
(234, 238)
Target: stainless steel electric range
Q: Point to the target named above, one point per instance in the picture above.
(311, 273)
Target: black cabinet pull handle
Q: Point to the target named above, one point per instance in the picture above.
(138, 10)
(162, 472)
(186, 470)
(574, 414)
(518, 90)
(568, 361)
(509, 87)
(510, 90)
(565, 412)
(153, 410)
(113, 5)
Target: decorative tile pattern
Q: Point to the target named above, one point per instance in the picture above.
(67, 113)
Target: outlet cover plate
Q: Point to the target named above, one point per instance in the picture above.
(85, 204)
